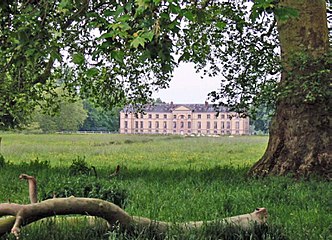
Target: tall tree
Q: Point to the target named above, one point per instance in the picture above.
(69, 117)
(300, 134)
(118, 52)
(99, 119)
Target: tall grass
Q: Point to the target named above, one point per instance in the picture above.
(169, 178)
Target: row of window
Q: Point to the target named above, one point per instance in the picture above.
(182, 125)
(199, 116)
(228, 132)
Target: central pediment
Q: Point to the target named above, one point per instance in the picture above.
(182, 108)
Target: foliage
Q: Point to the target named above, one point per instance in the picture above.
(310, 79)
(261, 121)
(70, 117)
(37, 164)
(99, 119)
(80, 167)
(86, 187)
(119, 52)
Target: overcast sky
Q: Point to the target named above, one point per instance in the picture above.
(187, 86)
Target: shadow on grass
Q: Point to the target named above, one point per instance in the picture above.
(283, 196)
(64, 230)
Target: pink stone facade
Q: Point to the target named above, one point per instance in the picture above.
(198, 119)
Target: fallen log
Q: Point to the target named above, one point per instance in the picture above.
(114, 215)
(21, 215)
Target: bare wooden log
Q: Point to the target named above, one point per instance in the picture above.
(114, 215)
(21, 215)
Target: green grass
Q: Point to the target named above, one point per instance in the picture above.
(169, 178)
(133, 150)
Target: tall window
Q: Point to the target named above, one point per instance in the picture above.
(199, 125)
(215, 125)
(208, 125)
(189, 124)
(136, 124)
(126, 124)
(150, 124)
(174, 124)
(237, 125)
(165, 124)
(142, 124)
(182, 124)
(222, 125)
(228, 125)
(157, 124)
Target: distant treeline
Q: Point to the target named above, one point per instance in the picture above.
(75, 116)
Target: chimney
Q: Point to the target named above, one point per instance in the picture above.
(206, 104)
(172, 104)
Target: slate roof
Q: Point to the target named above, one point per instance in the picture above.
(169, 107)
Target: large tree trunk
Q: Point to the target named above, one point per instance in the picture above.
(300, 133)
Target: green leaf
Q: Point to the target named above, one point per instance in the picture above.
(78, 58)
(138, 41)
(56, 55)
(221, 25)
(148, 35)
(108, 13)
(91, 72)
(141, 4)
(175, 8)
(118, 55)
(189, 15)
(124, 18)
(65, 4)
(124, 26)
(106, 35)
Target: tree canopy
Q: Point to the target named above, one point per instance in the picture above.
(69, 117)
(119, 52)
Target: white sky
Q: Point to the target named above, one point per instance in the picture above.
(187, 86)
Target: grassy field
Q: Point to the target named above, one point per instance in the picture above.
(171, 178)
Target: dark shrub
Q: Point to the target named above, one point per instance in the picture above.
(2, 161)
(79, 167)
(88, 187)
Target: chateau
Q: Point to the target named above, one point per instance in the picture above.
(169, 118)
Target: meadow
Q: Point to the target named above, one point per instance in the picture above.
(170, 178)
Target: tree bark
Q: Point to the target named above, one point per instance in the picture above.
(300, 132)
(114, 215)
(20, 215)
